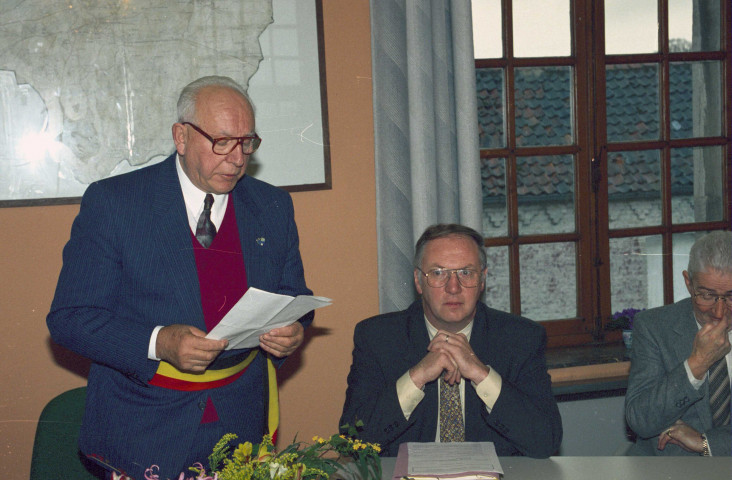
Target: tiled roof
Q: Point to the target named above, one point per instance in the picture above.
(543, 117)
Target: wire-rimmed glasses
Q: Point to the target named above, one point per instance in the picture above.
(708, 299)
(438, 277)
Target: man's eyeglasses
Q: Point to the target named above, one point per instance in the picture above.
(438, 277)
(707, 299)
(226, 145)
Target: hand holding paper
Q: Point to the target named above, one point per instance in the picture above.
(258, 312)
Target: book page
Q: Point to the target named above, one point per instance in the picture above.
(441, 459)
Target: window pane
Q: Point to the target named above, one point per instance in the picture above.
(491, 120)
(635, 273)
(682, 243)
(545, 187)
(493, 179)
(631, 26)
(544, 106)
(487, 29)
(548, 281)
(696, 99)
(634, 189)
(497, 282)
(697, 192)
(541, 29)
(681, 16)
(632, 103)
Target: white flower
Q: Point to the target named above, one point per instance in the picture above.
(275, 470)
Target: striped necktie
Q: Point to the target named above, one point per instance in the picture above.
(719, 393)
(205, 229)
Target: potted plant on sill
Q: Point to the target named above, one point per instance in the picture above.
(623, 320)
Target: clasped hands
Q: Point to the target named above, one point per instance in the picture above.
(449, 355)
(186, 348)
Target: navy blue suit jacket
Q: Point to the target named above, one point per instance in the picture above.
(128, 267)
(524, 420)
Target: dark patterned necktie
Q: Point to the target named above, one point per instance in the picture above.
(719, 393)
(205, 229)
(452, 428)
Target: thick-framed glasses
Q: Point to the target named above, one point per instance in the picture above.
(438, 277)
(707, 299)
(226, 145)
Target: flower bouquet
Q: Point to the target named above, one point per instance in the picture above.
(342, 456)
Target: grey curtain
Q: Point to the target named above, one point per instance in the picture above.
(426, 131)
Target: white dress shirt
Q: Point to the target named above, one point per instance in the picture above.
(193, 198)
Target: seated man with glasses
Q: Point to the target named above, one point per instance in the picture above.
(156, 258)
(449, 368)
(678, 398)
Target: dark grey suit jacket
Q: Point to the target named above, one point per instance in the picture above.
(659, 391)
(525, 419)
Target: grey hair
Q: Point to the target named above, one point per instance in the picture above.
(712, 251)
(189, 94)
(442, 230)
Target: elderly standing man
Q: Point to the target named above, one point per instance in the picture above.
(449, 368)
(156, 258)
(678, 398)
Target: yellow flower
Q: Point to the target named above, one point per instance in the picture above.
(300, 471)
(243, 452)
(264, 454)
(296, 462)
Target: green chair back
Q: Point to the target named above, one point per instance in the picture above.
(55, 449)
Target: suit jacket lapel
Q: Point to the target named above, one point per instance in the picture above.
(683, 332)
(474, 406)
(252, 234)
(684, 328)
(417, 342)
(479, 336)
(173, 238)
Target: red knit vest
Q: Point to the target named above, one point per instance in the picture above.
(222, 279)
(221, 273)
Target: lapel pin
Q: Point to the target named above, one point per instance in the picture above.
(260, 241)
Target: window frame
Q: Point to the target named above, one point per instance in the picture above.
(592, 230)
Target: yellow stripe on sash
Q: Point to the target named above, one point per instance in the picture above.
(167, 370)
(167, 376)
(274, 399)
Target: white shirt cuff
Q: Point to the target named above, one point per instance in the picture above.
(408, 393)
(151, 350)
(695, 382)
(489, 389)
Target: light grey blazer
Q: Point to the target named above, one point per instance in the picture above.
(659, 391)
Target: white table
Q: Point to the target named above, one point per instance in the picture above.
(606, 468)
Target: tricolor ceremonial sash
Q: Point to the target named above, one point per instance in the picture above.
(167, 376)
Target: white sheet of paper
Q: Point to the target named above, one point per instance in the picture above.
(434, 458)
(258, 312)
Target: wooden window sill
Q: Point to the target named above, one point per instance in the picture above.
(590, 371)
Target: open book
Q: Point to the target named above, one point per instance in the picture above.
(453, 461)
